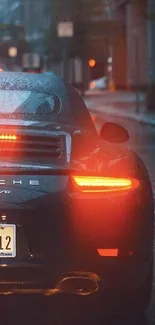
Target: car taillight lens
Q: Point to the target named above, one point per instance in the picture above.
(107, 252)
(92, 85)
(104, 184)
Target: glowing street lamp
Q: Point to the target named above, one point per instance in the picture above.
(12, 52)
(92, 63)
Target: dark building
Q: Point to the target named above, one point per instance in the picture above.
(137, 49)
(136, 36)
(125, 40)
(108, 46)
(32, 14)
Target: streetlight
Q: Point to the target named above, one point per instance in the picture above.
(109, 59)
(65, 30)
(136, 36)
(12, 52)
(92, 63)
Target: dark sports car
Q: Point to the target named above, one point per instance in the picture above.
(76, 208)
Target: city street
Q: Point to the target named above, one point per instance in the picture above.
(54, 219)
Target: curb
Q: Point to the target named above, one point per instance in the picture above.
(131, 117)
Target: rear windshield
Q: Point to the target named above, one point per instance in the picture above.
(40, 106)
(25, 102)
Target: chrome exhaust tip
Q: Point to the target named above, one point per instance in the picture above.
(79, 283)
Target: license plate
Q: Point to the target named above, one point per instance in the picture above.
(7, 240)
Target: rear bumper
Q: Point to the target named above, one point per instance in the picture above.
(114, 274)
(65, 232)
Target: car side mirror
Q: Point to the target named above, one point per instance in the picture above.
(114, 133)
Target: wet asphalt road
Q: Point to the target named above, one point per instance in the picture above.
(36, 310)
(41, 311)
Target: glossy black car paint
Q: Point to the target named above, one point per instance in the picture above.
(60, 229)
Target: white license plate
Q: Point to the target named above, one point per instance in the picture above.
(7, 240)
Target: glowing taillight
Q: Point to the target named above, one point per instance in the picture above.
(8, 137)
(107, 251)
(104, 184)
(92, 85)
(113, 252)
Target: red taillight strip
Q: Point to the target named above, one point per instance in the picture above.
(107, 251)
(113, 252)
(104, 184)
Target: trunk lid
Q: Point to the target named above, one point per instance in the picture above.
(34, 191)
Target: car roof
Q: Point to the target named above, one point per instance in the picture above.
(33, 82)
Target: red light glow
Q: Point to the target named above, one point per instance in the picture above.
(92, 85)
(104, 184)
(92, 63)
(93, 116)
(107, 251)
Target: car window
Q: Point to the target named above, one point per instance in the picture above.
(28, 102)
(79, 110)
(45, 106)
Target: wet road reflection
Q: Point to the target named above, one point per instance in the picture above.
(47, 311)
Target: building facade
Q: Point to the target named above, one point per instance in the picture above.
(136, 42)
(32, 14)
(10, 12)
(137, 47)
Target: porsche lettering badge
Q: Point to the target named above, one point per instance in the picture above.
(32, 182)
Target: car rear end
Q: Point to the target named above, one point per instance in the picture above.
(37, 244)
(74, 219)
(101, 84)
(51, 226)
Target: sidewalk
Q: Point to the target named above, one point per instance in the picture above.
(121, 104)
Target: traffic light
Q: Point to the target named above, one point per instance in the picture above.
(92, 63)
